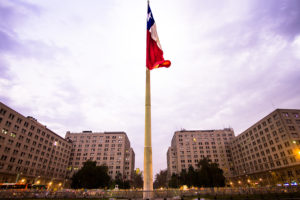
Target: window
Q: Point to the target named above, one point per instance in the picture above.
(293, 159)
(26, 124)
(285, 114)
(3, 157)
(8, 123)
(287, 144)
(9, 167)
(2, 111)
(18, 169)
(11, 116)
(7, 150)
(16, 128)
(18, 144)
(295, 135)
(292, 128)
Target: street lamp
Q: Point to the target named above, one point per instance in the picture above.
(36, 181)
(18, 176)
(49, 184)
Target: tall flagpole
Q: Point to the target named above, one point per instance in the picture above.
(148, 171)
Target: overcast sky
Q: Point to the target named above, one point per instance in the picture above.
(79, 65)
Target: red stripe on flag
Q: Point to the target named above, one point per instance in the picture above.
(154, 55)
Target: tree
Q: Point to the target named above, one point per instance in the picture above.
(207, 174)
(191, 177)
(174, 182)
(122, 184)
(91, 176)
(183, 177)
(161, 179)
(137, 179)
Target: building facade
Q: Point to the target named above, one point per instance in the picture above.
(269, 151)
(106, 148)
(29, 151)
(188, 147)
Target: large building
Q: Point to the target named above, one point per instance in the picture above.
(29, 151)
(32, 153)
(189, 147)
(269, 151)
(108, 148)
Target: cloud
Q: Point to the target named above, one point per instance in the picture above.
(284, 16)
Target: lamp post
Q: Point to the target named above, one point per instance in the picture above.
(18, 176)
(50, 183)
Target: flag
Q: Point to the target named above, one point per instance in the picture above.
(154, 53)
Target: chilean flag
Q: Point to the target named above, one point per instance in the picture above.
(154, 53)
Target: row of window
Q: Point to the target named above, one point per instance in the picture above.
(55, 162)
(41, 169)
(264, 124)
(94, 145)
(255, 165)
(205, 135)
(95, 141)
(93, 154)
(93, 137)
(56, 142)
(26, 124)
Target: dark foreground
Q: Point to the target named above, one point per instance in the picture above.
(266, 193)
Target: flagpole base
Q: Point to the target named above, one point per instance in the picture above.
(148, 195)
